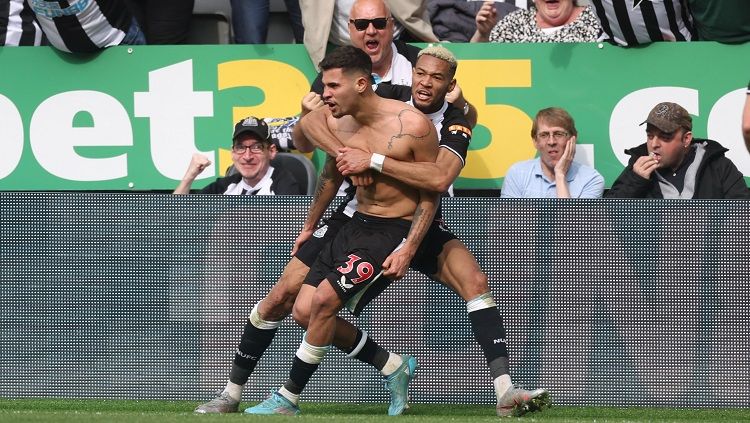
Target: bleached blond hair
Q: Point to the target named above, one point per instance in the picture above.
(439, 52)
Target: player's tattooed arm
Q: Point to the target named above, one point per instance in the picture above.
(407, 130)
(325, 191)
(396, 264)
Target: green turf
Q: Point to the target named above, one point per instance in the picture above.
(85, 411)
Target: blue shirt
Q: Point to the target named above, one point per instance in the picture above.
(526, 180)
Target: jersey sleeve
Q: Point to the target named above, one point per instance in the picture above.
(455, 134)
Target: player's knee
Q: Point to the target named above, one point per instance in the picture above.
(325, 302)
(301, 314)
(476, 285)
(278, 303)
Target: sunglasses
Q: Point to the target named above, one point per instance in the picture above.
(362, 24)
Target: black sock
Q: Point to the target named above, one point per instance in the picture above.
(371, 353)
(299, 375)
(489, 332)
(253, 344)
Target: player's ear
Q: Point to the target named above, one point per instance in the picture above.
(362, 84)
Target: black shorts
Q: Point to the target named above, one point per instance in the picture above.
(310, 250)
(426, 258)
(353, 261)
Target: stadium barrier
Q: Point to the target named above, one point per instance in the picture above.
(605, 302)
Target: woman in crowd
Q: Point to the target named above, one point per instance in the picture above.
(545, 21)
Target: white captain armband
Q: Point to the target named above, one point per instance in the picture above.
(376, 162)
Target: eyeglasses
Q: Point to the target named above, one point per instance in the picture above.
(255, 148)
(557, 135)
(362, 24)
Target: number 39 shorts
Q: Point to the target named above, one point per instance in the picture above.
(352, 261)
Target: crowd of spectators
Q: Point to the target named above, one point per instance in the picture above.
(77, 26)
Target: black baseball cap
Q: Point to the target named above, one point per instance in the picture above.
(252, 125)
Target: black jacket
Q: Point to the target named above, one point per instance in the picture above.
(717, 177)
(283, 183)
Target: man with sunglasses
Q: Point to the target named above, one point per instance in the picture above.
(553, 174)
(673, 164)
(252, 152)
(371, 30)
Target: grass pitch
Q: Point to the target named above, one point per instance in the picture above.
(95, 411)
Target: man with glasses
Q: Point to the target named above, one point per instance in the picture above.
(554, 174)
(673, 164)
(252, 152)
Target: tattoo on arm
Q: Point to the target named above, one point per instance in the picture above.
(401, 133)
(418, 222)
(325, 178)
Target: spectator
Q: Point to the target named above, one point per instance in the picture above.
(725, 21)
(252, 152)
(163, 21)
(553, 173)
(328, 21)
(548, 21)
(81, 26)
(17, 25)
(673, 164)
(645, 22)
(746, 120)
(250, 20)
(454, 20)
(392, 62)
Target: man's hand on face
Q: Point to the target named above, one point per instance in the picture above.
(644, 166)
(566, 159)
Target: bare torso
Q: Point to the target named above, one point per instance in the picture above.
(395, 132)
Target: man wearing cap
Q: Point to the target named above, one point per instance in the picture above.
(673, 164)
(252, 152)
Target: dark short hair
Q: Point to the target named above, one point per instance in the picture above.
(348, 58)
(554, 116)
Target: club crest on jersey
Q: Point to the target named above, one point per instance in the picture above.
(455, 129)
(320, 233)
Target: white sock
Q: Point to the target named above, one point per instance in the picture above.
(234, 390)
(293, 398)
(393, 363)
(502, 384)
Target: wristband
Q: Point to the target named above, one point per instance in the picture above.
(376, 162)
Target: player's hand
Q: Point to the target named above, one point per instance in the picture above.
(198, 163)
(303, 236)
(566, 159)
(644, 166)
(351, 161)
(362, 179)
(486, 19)
(396, 264)
(310, 102)
(454, 95)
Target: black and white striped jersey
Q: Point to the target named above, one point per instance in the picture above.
(83, 26)
(635, 22)
(17, 25)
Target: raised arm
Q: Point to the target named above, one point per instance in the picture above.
(311, 101)
(314, 130)
(198, 163)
